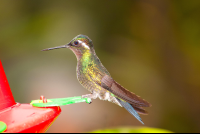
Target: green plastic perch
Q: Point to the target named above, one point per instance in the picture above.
(59, 101)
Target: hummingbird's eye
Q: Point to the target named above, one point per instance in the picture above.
(76, 42)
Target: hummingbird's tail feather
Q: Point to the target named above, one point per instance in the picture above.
(140, 110)
(130, 109)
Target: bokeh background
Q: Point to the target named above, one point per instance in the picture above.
(151, 47)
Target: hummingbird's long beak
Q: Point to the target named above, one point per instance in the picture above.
(63, 46)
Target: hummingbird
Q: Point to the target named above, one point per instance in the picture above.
(94, 77)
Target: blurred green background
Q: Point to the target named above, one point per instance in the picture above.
(151, 47)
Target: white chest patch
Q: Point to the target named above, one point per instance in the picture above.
(106, 96)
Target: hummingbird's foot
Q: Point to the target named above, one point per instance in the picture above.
(91, 96)
(87, 96)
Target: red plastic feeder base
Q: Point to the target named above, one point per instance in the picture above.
(24, 118)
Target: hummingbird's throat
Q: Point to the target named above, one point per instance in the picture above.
(85, 60)
(81, 54)
(86, 57)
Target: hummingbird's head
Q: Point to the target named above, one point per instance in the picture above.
(80, 42)
(79, 45)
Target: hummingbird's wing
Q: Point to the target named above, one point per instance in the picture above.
(101, 77)
(137, 102)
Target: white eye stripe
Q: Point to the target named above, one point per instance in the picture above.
(84, 45)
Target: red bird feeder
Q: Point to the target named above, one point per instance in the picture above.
(22, 118)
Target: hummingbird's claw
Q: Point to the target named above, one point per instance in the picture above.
(88, 96)
(90, 102)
